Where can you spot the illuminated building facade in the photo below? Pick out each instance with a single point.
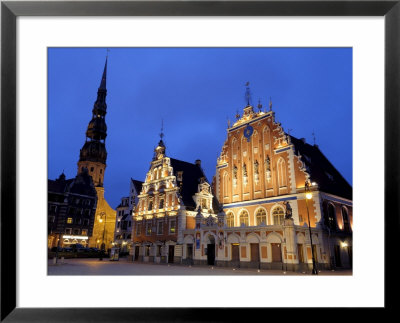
(172, 195)
(263, 218)
(71, 209)
(260, 180)
(93, 156)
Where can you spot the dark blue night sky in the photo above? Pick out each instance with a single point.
(195, 91)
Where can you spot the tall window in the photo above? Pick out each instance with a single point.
(244, 218)
(281, 173)
(150, 206)
(230, 219)
(278, 215)
(172, 226)
(225, 185)
(331, 220)
(138, 228)
(69, 220)
(160, 227)
(161, 205)
(345, 216)
(261, 217)
(148, 229)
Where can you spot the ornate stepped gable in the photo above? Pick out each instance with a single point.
(259, 160)
(173, 184)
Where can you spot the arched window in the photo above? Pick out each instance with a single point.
(345, 216)
(150, 206)
(278, 215)
(161, 205)
(281, 173)
(244, 218)
(230, 219)
(261, 217)
(331, 217)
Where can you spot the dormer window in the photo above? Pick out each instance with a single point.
(179, 176)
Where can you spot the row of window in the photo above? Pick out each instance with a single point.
(78, 211)
(278, 215)
(83, 232)
(124, 224)
(159, 229)
(78, 221)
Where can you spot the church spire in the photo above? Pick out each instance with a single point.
(93, 154)
(104, 77)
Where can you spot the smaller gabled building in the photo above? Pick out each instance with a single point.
(170, 196)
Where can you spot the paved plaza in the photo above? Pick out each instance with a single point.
(125, 267)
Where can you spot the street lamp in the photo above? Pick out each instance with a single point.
(309, 197)
(104, 229)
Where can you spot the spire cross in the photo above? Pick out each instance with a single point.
(162, 129)
(313, 134)
(108, 50)
(270, 104)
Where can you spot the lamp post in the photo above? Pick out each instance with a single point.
(104, 229)
(309, 197)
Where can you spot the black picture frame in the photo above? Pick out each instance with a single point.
(10, 10)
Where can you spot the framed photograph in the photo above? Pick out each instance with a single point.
(270, 129)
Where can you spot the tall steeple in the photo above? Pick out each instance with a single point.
(93, 154)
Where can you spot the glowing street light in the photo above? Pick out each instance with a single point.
(309, 197)
(104, 229)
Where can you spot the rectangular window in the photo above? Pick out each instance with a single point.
(160, 227)
(118, 224)
(79, 221)
(84, 232)
(69, 220)
(86, 222)
(68, 230)
(53, 208)
(76, 231)
(172, 226)
(148, 229)
(138, 229)
(51, 219)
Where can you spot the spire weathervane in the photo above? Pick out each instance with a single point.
(313, 134)
(247, 93)
(270, 104)
(259, 106)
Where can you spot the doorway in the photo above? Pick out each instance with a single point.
(254, 252)
(211, 250)
(189, 252)
(301, 253)
(137, 252)
(338, 261)
(171, 250)
(276, 252)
